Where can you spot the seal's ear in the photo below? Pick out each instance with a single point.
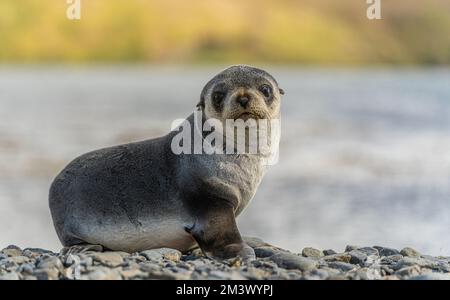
(281, 91)
(201, 104)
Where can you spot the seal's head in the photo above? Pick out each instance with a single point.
(241, 92)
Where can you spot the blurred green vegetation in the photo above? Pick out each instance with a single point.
(325, 32)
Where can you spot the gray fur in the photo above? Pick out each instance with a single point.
(141, 195)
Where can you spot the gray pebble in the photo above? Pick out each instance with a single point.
(386, 269)
(408, 271)
(16, 260)
(391, 260)
(46, 274)
(162, 253)
(357, 257)
(39, 251)
(329, 252)
(368, 274)
(372, 259)
(316, 274)
(384, 251)
(254, 242)
(292, 261)
(50, 262)
(26, 268)
(409, 261)
(12, 251)
(369, 251)
(410, 252)
(265, 251)
(273, 263)
(349, 248)
(342, 266)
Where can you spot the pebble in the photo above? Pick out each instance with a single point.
(369, 251)
(316, 274)
(132, 273)
(253, 273)
(12, 251)
(372, 259)
(311, 252)
(292, 261)
(368, 274)
(36, 252)
(386, 251)
(19, 259)
(408, 271)
(102, 273)
(391, 260)
(357, 257)
(265, 251)
(50, 262)
(273, 263)
(46, 274)
(329, 252)
(26, 268)
(349, 248)
(409, 261)
(344, 257)
(255, 242)
(409, 252)
(342, 266)
(170, 254)
(110, 259)
(386, 270)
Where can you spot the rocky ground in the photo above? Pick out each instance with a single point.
(272, 263)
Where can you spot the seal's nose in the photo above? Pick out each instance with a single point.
(243, 101)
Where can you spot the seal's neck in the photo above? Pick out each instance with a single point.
(259, 138)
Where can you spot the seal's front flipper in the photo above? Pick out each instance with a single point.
(217, 234)
(81, 248)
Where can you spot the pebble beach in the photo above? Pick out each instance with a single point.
(272, 263)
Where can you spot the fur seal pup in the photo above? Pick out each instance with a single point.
(142, 195)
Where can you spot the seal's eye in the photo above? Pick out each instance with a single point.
(217, 97)
(266, 90)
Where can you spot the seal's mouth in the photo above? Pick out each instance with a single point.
(250, 115)
(245, 116)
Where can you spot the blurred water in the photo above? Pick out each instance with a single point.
(364, 159)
